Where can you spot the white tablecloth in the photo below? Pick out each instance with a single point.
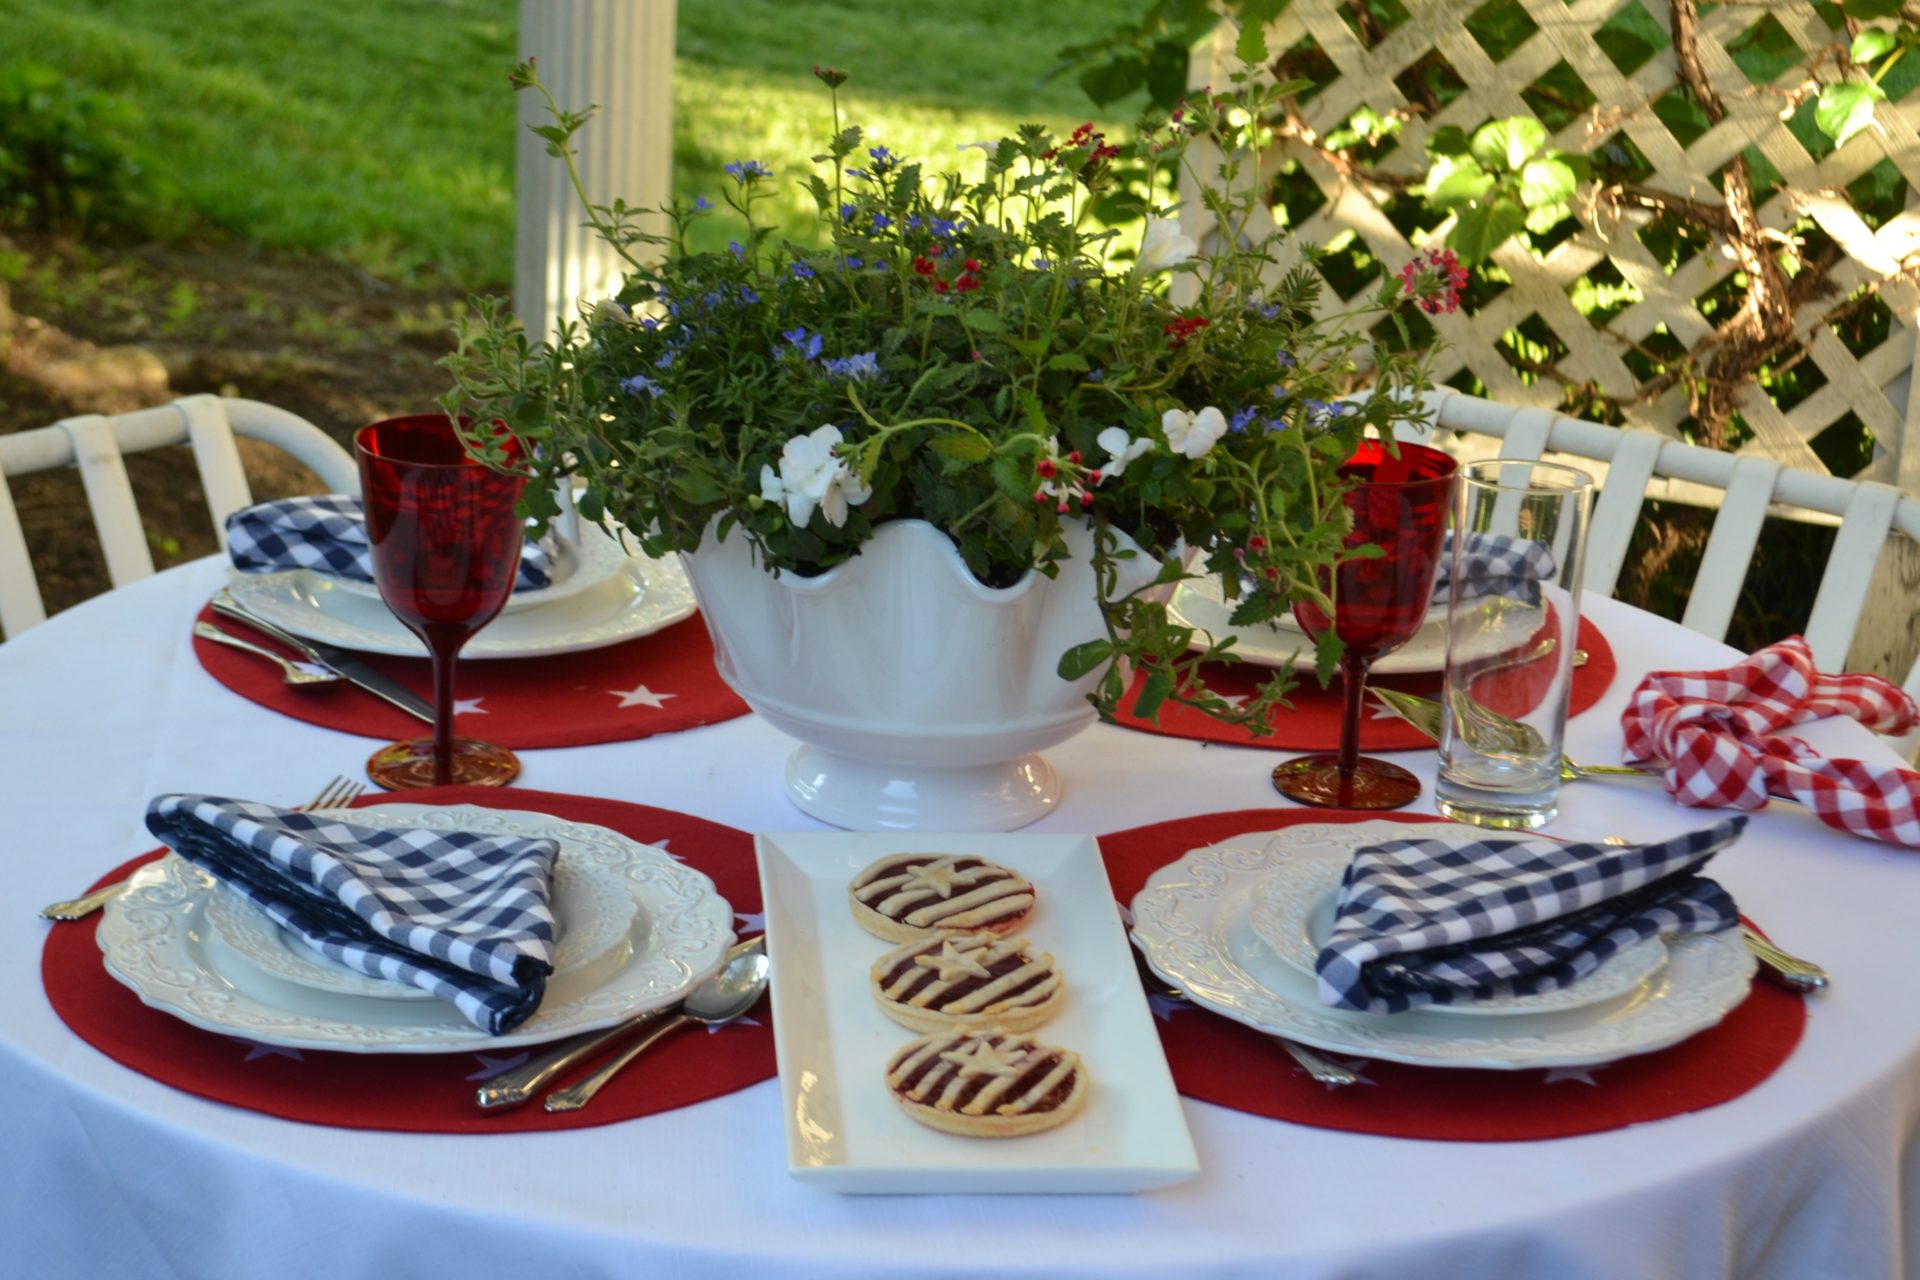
(109, 1174)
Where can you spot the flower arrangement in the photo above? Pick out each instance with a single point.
(974, 350)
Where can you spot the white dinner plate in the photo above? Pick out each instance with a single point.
(577, 567)
(1293, 913)
(154, 938)
(1200, 604)
(640, 597)
(592, 912)
(1192, 922)
(844, 1129)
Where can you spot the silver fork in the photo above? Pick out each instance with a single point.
(1321, 1069)
(336, 793)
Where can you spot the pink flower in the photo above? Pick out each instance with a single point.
(1434, 280)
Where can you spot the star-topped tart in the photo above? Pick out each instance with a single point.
(961, 980)
(905, 896)
(987, 1084)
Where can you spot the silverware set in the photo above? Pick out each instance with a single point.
(332, 663)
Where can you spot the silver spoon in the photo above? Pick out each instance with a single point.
(717, 1001)
(293, 674)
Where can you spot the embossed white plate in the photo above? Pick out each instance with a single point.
(1199, 604)
(1293, 913)
(641, 597)
(844, 1129)
(154, 939)
(1193, 923)
(577, 567)
(592, 913)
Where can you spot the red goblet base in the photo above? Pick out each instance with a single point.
(1317, 781)
(407, 765)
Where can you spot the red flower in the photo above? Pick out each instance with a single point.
(1180, 330)
(922, 266)
(939, 286)
(1434, 279)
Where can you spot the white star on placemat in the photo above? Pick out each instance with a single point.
(270, 1051)
(492, 1065)
(751, 921)
(1234, 699)
(737, 1022)
(641, 696)
(661, 845)
(469, 707)
(1559, 1075)
(1355, 1065)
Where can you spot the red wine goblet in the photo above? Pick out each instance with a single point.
(446, 548)
(1400, 504)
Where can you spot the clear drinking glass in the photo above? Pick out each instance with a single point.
(1513, 612)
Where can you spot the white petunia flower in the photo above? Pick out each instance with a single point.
(1164, 246)
(1193, 434)
(813, 477)
(1122, 448)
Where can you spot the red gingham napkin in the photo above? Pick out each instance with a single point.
(1715, 730)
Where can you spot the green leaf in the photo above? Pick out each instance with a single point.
(1508, 144)
(1084, 659)
(1845, 109)
(1113, 80)
(1455, 181)
(1871, 8)
(1167, 72)
(983, 321)
(1872, 43)
(1157, 689)
(1478, 231)
(962, 446)
(1069, 360)
(1546, 182)
(1251, 47)
(1448, 140)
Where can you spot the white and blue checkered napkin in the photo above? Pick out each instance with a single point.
(464, 916)
(1493, 564)
(1428, 921)
(328, 534)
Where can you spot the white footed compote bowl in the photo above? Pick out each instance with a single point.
(921, 695)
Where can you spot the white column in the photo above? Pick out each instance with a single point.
(618, 56)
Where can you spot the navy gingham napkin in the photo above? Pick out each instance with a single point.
(464, 916)
(1493, 564)
(328, 534)
(1426, 921)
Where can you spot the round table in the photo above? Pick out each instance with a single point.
(108, 1173)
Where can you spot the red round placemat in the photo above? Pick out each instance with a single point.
(1221, 1061)
(1313, 722)
(652, 684)
(424, 1093)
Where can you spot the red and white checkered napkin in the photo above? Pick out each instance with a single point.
(1716, 733)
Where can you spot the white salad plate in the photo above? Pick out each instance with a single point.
(593, 918)
(156, 938)
(1193, 923)
(1200, 603)
(577, 567)
(641, 596)
(845, 1132)
(1293, 913)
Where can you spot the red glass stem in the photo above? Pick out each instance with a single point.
(444, 649)
(1353, 673)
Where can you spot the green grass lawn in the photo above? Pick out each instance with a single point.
(381, 131)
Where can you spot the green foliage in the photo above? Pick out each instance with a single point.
(970, 348)
(1502, 180)
(61, 165)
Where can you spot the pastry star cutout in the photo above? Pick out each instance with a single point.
(641, 696)
(937, 876)
(981, 1059)
(952, 962)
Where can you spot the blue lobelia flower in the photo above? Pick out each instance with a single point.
(701, 204)
(802, 271)
(665, 361)
(1284, 359)
(747, 296)
(881, 222)
(744, 171)
(882, 157)
(640, 382)
(737, 249)
(861, 368)
(944, 228)
(1096, 375)
(846, 213)
(1241, 419)
(854, 264)
(857, 173)
(807, 344)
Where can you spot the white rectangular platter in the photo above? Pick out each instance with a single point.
(844, 1130)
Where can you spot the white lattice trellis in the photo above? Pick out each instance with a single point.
(1872, 385)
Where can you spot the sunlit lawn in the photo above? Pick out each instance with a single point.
(382, 130)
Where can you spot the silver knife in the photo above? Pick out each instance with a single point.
(330, 657)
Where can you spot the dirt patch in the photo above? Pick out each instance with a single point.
(106, 329)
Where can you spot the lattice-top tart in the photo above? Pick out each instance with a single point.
(966, 980)
(905, 896)
(987, 1084)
